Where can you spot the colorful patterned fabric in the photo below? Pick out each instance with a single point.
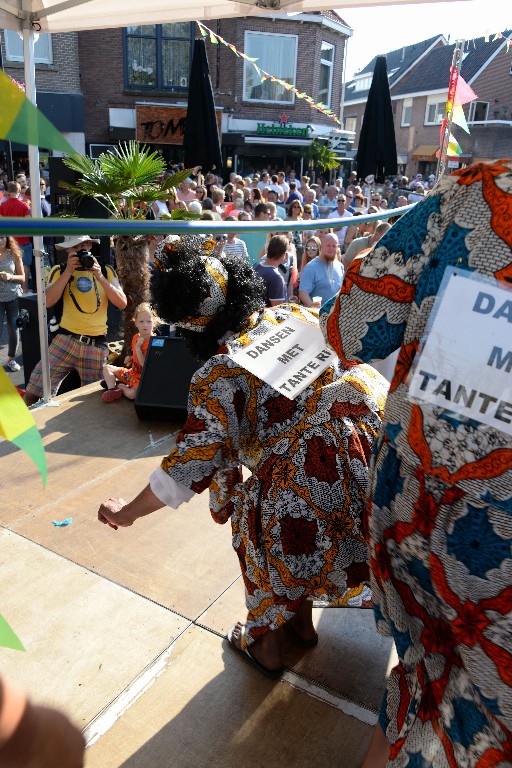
(296, 520)
(440, 512)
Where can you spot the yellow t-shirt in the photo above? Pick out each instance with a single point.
(84, 302)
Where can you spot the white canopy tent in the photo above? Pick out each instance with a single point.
(32, 16)
(73, 15)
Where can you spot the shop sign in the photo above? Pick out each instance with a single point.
(281, 128)
(164, 125)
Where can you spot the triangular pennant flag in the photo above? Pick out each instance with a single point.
(454, 147)
(22, 122)
(8, 638)
(463, 93)
(202, 29)
(17, 424)
(459, 118)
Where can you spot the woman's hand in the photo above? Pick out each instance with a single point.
(111, 513)
(6, 277)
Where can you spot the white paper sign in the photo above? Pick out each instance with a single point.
(466, 363)
(288, 357)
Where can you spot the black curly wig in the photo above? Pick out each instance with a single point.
(179, 284)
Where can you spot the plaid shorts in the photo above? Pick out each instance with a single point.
(67, 354)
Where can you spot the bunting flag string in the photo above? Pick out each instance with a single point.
(216, 39)
(17, 423)
(23, 122)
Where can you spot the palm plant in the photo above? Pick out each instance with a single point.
(133, 174)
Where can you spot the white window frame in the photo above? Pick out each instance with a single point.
(472, 108)
(364, 84)
(330, 66)
(248, 67)
(440, 103)
(43, 53)
(406, 104)
(352, 124)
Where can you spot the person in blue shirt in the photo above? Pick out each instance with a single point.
(323, 276)
(275, 287)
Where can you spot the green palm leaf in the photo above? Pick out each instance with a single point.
(133, 172)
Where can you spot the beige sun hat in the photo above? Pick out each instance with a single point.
(74, 240)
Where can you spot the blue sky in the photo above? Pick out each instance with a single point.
(385, 28)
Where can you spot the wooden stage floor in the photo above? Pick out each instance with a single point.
(125, 629)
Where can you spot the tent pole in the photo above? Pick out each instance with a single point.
(445, 139)
(33, 159)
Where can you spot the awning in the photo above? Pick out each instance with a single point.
(283, 142)
(425, 152)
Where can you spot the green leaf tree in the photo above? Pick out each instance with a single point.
(324, 158)
(126, 182)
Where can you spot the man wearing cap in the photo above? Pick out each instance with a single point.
(81, 341)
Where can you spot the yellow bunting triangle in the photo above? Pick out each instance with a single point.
(17, 424)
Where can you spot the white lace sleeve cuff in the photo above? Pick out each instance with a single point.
(170, 492)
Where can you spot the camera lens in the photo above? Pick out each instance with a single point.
(23, 319)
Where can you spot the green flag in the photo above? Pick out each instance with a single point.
(24, 123)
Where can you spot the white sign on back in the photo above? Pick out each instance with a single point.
(288, 357)
(466, 363)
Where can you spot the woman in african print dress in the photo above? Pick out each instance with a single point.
(440, 510)
(296, 519)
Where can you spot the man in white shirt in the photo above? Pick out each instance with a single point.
(274, 186)
(341, 213)
(283, 184)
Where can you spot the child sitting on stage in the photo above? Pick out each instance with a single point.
(125, 381)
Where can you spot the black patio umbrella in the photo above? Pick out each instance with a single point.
(201, 141)
(376, 153)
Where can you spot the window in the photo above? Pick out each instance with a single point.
(363, 85)
(435, 113)
(326, 68)
(478, 111)
(277, 55)
(351, 124)
(14, 47)
(158, 56)
(406, 113)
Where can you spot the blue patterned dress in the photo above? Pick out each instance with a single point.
(440, 508)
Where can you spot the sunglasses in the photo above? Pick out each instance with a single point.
(218, 238)
(311, 247)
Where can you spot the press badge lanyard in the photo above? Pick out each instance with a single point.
(77, 305)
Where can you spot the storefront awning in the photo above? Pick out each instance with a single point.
(425, 152)
(283, 142)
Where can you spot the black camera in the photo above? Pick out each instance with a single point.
(23, 319)
(86, 259)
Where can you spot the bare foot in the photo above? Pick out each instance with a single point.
(266, 650)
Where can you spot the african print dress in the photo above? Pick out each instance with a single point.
(296, 521)
(440, 517)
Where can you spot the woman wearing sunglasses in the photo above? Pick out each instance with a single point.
(311, 250)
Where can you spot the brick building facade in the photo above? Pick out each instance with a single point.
(57, 75)
(111, 103)
(418, 77)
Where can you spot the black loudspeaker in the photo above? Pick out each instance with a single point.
(163, 390)
(29, 325)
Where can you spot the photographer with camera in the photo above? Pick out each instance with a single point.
(81, 342)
